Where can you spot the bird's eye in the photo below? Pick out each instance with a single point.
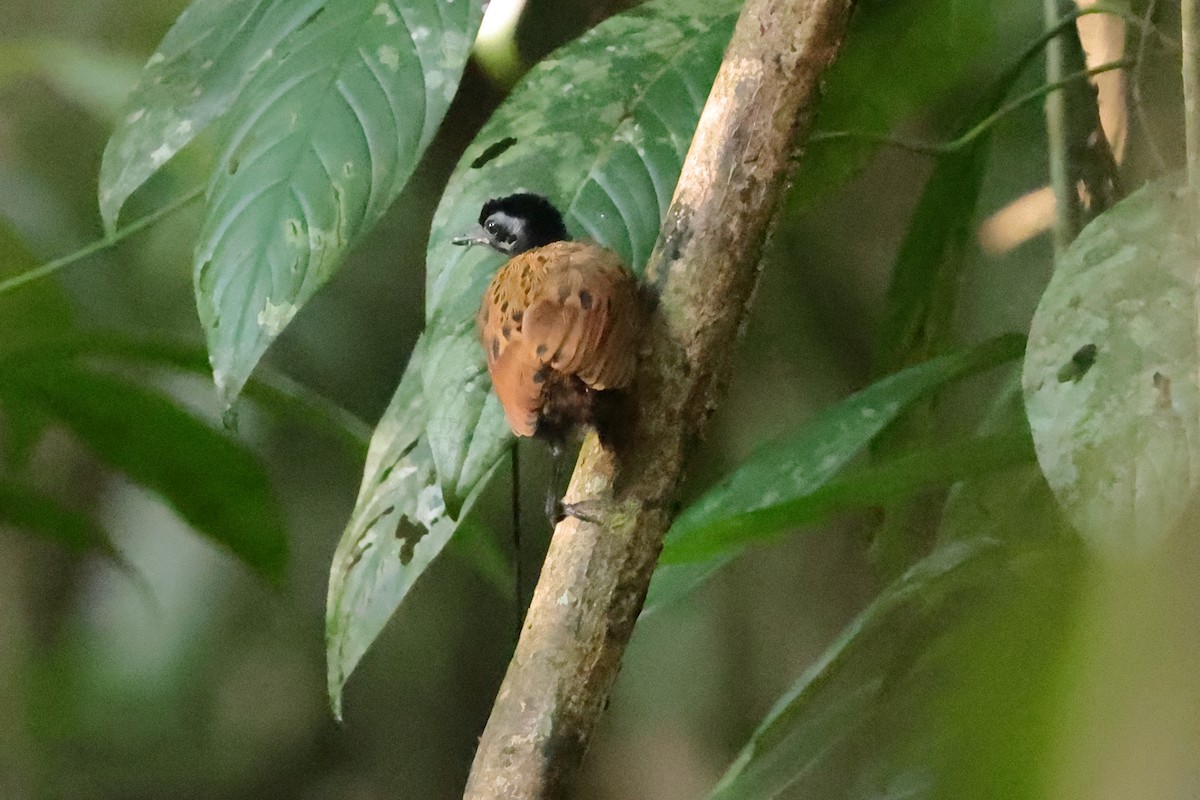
(491, 226)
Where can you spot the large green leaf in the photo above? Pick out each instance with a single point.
(214, 483)
(601, 127)
(1110, 374)
(398, 527)
(949, 684)
(798, 466)
(275, 391)
(204, 61)
(314, 149)
(933, 465)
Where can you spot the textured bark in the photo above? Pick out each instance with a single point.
(704, 267)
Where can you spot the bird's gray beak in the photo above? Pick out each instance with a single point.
(476, 235)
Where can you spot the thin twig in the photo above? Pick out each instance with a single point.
(518, 581)
(980, 128)
(104, 243)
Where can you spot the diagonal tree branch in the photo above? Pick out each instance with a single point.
(704, 268)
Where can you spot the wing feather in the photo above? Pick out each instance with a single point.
(570, 307)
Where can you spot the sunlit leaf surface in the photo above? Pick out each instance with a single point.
(1110, 374)
(313, 151)
(398, 527)
(208, 55)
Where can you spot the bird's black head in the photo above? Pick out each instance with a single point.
(517, 223)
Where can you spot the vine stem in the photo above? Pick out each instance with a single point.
(1190, 29)
(515, 501)
(955, 145)
(704, 269)
(98, 245)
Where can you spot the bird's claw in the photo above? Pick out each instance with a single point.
(585, 511)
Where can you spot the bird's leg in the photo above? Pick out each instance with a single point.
(554, 504)
(584, 511)
(556, 509)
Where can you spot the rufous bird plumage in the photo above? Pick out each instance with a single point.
(559, 322)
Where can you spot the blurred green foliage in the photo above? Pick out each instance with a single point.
(979, 651)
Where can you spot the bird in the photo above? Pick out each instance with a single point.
(560, 325)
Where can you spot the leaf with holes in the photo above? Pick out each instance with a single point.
(204, 61)
(398, 527)
(601, 127)
(1110, 373)
(313, 151)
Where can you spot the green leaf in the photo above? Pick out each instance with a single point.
(936, 464)
(1110, 373)
(943, 687)
(937, 41)
(793, 469)
(673, 582)
(192, 79)
(214, 483)
(601, 127)
(398, 527)
(313, 151)
(275, 391)
(33, 511)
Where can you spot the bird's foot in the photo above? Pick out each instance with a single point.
(588, 511)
